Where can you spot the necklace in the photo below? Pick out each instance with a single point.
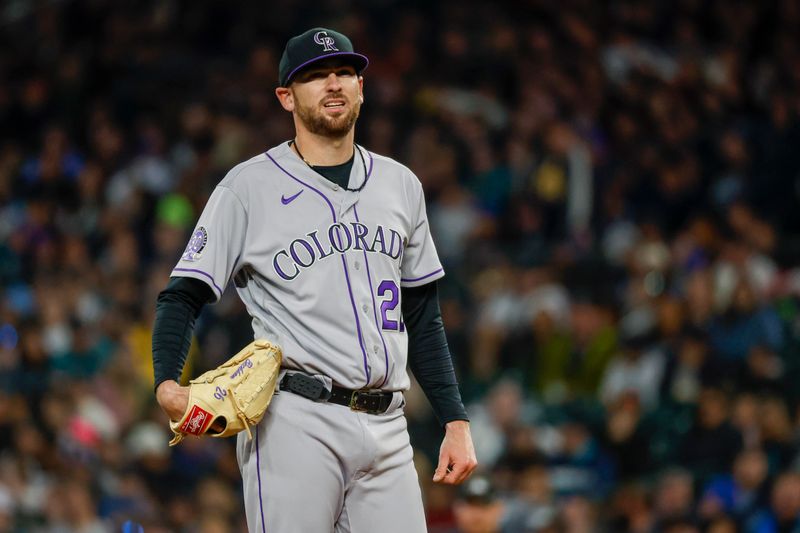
(356, 148)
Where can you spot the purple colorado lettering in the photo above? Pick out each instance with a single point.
(303, 252)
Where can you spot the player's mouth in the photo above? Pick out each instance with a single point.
(335, 106)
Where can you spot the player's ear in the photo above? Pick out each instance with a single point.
(285, 97)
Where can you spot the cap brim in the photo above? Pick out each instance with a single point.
(359, 61)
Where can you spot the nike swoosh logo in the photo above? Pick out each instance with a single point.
(287, 201)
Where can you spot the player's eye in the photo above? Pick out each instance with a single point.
(313, 75)
(310, 75)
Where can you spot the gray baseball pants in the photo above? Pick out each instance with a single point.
(315, 467)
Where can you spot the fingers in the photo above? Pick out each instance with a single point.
(461, 472)
(441, 471)
(453, 471)
(173, 399)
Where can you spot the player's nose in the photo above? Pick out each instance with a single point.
(332, 82)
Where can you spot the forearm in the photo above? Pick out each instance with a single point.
(429, 355)
(177, 309)
(435, 374)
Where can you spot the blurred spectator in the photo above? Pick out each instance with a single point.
(689, 369)
(71, 508)
(712, 443)
(579, 465)
(630, 510)
(742, 325)
(740, 493)
(493, 421)
(776, 432)
(571, 356)
(626, 438)
(477, 509)
(638, 370)
(579, 515)
(674, 497)
(783, 511)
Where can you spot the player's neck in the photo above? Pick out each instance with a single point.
(323, 151)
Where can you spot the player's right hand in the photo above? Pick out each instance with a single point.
(172, 398)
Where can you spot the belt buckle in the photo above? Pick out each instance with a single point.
(354, 402)
(362, 407)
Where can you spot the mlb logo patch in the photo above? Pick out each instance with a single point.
(197, 422)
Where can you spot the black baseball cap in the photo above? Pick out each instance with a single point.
(478, 489)
(314, 45)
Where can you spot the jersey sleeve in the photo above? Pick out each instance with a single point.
(420, 264)
(216, 243)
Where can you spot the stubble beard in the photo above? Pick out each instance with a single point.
(316, 122)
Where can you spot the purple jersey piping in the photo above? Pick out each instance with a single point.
(375, 310)
(423, 277)
(312, 60)
(358, 323)
(346, 276)
(206, 274)
(258, 472)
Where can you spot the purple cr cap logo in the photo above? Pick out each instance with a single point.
(196, 245)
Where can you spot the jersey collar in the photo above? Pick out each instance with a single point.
(358, 179)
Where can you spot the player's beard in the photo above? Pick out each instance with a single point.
(318, 123)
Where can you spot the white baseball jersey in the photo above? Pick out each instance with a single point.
(320, 267)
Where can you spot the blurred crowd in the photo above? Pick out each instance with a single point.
(613, 187)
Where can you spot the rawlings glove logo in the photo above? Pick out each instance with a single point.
(196, 422)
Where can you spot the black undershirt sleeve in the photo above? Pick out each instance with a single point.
(177, 308)
(428, 353)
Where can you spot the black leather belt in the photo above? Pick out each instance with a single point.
(372, 402)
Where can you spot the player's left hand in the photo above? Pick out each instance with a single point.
(457, 455)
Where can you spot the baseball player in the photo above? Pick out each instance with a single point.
(329, 248)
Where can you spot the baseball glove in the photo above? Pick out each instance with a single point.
(232, 397)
